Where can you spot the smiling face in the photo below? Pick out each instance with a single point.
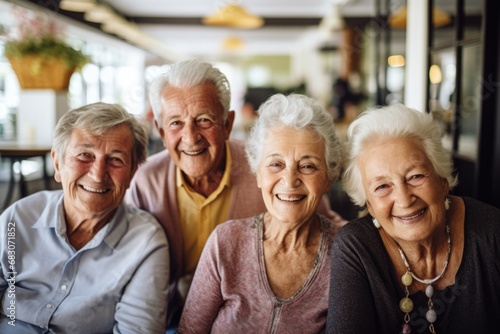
(403, 191)
(193, 129)
(95, 171)
(292, 174)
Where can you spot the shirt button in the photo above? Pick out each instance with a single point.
(64, 287)
(49, 305)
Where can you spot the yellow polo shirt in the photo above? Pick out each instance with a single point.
(200, 215)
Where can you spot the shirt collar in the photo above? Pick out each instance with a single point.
(53, 217)
(226, 179)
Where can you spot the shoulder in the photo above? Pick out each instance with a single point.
(358, 235)
(235, 233)
(236, 227)
(141, 219)
(481, 220)
(155, 162)
(238, 153)
(474, 206)
(34, 205)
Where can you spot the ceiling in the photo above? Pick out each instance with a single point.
(290, 25)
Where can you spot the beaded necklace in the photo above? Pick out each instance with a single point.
(406, 304)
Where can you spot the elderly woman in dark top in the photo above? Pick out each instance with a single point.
(422, 261)
(269, 273)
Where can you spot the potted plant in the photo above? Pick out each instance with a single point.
(38, 54)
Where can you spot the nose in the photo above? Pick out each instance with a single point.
(190, 133)
(403, 196)
(291, 178)
(98, 171)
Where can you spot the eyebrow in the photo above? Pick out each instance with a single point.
(91, 146)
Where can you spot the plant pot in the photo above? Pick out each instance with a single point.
(35, 72)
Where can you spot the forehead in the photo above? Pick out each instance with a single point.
(118, 138)
(203, 97)
(383, 155)
(300, 140)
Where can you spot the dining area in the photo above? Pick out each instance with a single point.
(24, 169)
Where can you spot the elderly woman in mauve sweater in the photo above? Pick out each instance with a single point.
(270, 273)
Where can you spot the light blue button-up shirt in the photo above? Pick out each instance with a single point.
(116, 283)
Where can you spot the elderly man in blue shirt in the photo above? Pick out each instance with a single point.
(79, 260)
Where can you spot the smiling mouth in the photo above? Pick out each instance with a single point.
(94, 190)
(193, 153)
(290, 198)
(412, 216)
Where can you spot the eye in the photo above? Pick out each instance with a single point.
(417, 179)
(204, 123)
(115, 161)
(275, 166)
(382, 190)
(174, 124)
(308, 169)
(85, 156)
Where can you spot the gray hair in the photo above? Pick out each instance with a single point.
(394, 121)
(299, 112)
(98, 118)
(188, 74)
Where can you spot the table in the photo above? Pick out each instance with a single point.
(17, 152)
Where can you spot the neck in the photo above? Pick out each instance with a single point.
(81, 231)
(431, 262)
(206, 184)
(292, 235)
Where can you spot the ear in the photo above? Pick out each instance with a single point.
(159, 129)
(257, 177)
(228, 126)
(369, 208)
(55, 158)
(446, 186)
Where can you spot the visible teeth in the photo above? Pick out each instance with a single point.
(414, 216)
(290, 198)
(94, 190)
(194, 153)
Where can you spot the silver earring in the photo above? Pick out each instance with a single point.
(375, 222)
(447, 203)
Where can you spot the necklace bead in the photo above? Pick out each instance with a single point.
(406, 305)
(406, 279)
(431, 316)
(429, 291)
(405, 329)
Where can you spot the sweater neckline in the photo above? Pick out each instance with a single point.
(259, 224)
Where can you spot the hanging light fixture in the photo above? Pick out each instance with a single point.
(439, 18)
(99, 14)
(234, 16)
(233, 43)
(77, 5)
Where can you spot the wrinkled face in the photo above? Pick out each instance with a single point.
(193, 129)
(293, 173)
(403, 191)
(95, 171)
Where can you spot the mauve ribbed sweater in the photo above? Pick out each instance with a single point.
(230, 292)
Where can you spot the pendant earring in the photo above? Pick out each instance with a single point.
(376, 223)
(447, 203)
